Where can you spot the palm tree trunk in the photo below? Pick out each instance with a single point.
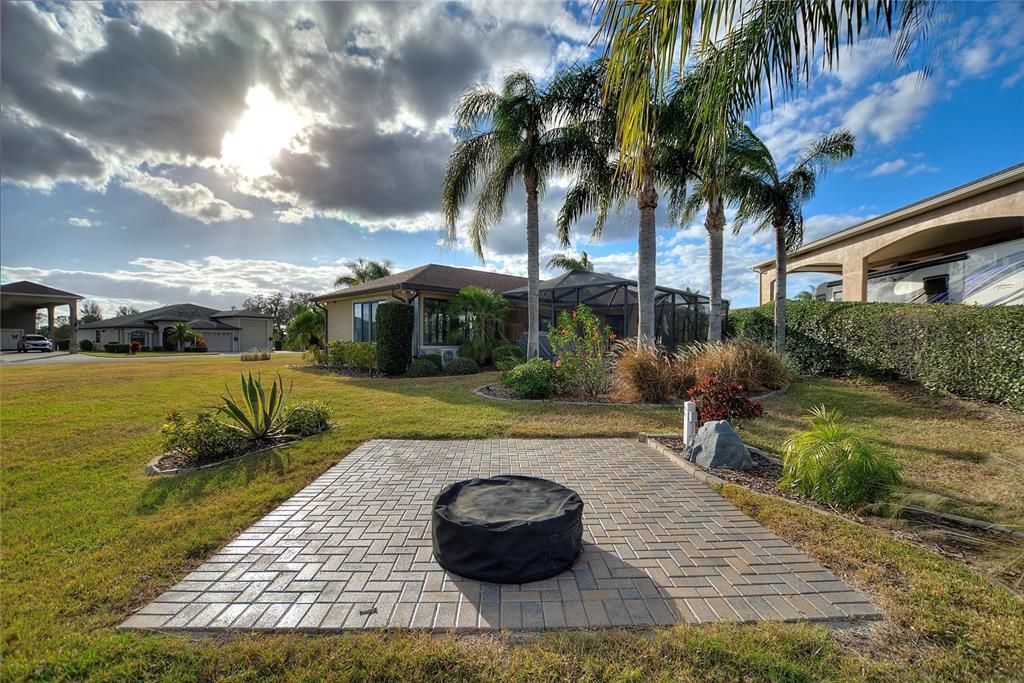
(715, 225)
(647, 254)
(532, 265)
(780, 289)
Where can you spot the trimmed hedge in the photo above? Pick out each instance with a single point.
(85, 345)
(461, 366)
(116, 347)
(394, 337)
(421, 367)
(972, 351)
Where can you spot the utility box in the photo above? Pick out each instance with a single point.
(9, 338)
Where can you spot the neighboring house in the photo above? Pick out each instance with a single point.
(224, 331)
(965, 245)
(351, 312)
(21, 301)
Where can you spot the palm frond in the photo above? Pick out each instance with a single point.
(471, 159)
(490, 204)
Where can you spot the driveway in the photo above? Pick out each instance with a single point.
(353, 550)
(64, 358)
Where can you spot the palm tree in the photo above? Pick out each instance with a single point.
(363, 270)
(482, 313)
(605, 180)
(182, 333)
(804, 295)
(570, 262)
(306, 328)
(775, 201)
(768, 43)
(504, 137)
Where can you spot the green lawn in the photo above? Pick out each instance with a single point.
(87, 538)
(146, 354)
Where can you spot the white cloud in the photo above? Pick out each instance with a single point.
(192, 200)
(891, 108)
(887, 167)
(81, 222)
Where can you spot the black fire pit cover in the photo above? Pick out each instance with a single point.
(507, 529)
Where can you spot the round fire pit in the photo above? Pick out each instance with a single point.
(507, 529)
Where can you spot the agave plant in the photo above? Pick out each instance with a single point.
(259, 415)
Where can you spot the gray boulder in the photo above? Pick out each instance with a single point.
(717, 446)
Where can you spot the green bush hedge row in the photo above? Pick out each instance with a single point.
(972, 351)
(360, 356)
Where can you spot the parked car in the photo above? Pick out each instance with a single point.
(34, 342)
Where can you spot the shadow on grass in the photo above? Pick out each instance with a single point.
(190, 488)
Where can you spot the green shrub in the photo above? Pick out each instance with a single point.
(421, 367)
(967, 350)
(259, 414)
(506, 364)
(644, 373)
(307, 418)
(358, 356)
(201, 439)
(832, 464)
(116, 347)
(394, 337)
(535, 379)
(482, 313)
(436, 359)
(507, 351)
(580, 342)
(85, 345)
(461, 366)
(315, 356)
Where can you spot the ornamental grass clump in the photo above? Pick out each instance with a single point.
(643, 372)
(259, 414)
(738, 360)
(832, 464)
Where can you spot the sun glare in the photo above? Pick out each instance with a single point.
(266, 127)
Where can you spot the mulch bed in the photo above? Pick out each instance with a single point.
(176, 460)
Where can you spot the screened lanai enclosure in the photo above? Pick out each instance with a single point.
(682, 317)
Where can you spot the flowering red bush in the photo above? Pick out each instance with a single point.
(717, 400)
(136, 346)
(201, 343)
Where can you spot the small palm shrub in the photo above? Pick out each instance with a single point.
(737, 360)
(258, 414)
(461, 366)
(307, 418)
(421, 367)
(506, 352)
(643, 372)
(85, 345)
(832, 464)
(201, 439)
(580, 342)
(719, 400)
(535, 379)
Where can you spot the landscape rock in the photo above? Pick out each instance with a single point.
(717, 446)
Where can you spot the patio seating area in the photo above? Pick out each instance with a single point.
(353, 551)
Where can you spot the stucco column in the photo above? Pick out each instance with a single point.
(73, 320)
(765, 287)
(855, 278)
(50, 320)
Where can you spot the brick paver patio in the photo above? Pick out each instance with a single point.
(352, 550)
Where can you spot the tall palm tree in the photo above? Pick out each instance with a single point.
(605, 180)
(768, 43)
(570, 262)
(517, 134)
(363, 270)
(775, 201)
(182, 333)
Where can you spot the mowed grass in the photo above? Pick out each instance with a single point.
(87, 538)
(957, 456)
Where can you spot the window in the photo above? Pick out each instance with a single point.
(936, 289)
(138, 337)
(437, 324)
(98, 336)
(364, 321)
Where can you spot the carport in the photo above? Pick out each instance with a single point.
(19, 302)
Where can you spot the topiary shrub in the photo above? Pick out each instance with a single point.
(421, 367)
(507, 351)
(85, 345)
(832, 464)
(972, 351)
(535, 379)
(394, 337)
(461, 366)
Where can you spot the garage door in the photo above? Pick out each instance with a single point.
(218, 341)
(254, 335)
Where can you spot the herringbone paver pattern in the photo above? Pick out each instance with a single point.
(352, 550)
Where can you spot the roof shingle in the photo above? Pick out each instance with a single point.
(431, 276)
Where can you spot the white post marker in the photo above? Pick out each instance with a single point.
(689, 422)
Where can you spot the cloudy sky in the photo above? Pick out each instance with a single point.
(157, 153)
